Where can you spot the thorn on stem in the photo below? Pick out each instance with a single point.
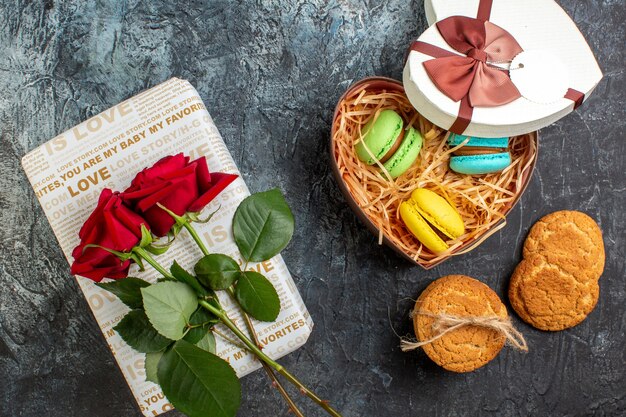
(274, 384)
(302, 391)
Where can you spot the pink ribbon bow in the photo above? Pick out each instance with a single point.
(472, 78)
(473, 75)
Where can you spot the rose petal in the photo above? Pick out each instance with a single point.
(202, 174)
(220, 181)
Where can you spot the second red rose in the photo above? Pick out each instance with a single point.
(177, 184)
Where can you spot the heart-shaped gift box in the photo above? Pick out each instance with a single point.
(486, 68)
(387, 227)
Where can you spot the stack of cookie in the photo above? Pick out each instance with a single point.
(462, 324)
(556, 286)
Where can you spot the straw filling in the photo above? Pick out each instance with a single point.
(481, 200)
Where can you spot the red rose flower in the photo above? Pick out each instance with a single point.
(112, 225)
(177, 184)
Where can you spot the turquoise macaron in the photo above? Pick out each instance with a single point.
(479, 155)
(384, 139)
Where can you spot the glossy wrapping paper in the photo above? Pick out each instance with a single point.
(68, 173)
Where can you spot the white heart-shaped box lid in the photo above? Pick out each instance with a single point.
(536, 25)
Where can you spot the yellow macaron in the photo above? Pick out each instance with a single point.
(425, 213)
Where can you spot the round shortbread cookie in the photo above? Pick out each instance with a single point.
(548, 297)
(570, 239)
(469, 347)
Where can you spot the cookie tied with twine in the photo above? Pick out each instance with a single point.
(461, 324)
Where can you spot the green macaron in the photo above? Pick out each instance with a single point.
(406, 154)
(379, 135)
(389, 143)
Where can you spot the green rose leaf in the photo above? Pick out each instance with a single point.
(128, 290)
(257, 296)
(263, 225)
(217, 271)
(157, 249)
(207, 342)
(199, 383)
(146, 236)
(184, 276)
(136, 330)
(169, 306)
(151, 363)
(205, 320)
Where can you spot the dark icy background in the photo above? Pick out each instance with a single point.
(270, 73)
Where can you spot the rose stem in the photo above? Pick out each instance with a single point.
(196, 238)
(145, 255)
(252, 347)
(270, 372)
(221, 314)
(259, 353)
(266, 367)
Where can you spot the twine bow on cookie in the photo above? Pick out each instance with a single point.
(446, 323)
